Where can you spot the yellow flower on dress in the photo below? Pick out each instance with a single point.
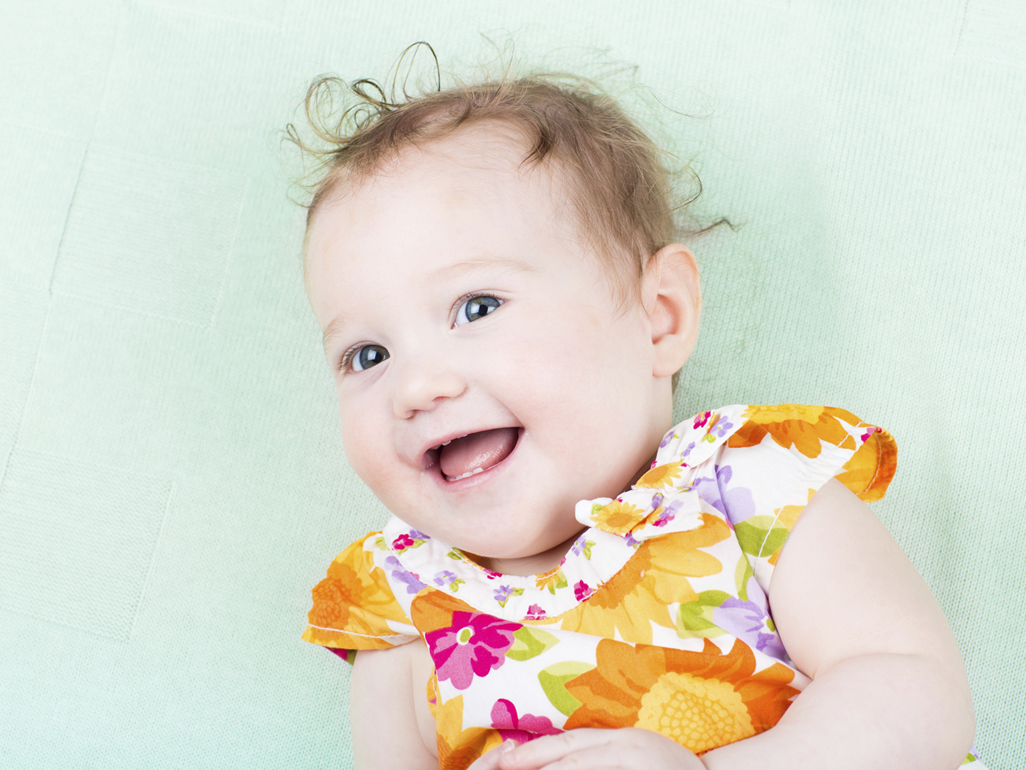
(702, 700)
(803, 427)
(628, 606)
(551, 580)
(661, 476)
(618, 517)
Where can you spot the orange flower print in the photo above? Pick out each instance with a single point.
(458, 747)
(702, 700)
(661, 476)
(803, 427)
(353, 598)
(627, 606)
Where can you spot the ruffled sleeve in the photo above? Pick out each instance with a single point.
(779, 457)
(354, 607)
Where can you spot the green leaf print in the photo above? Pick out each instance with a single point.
(529, 643)
(694, 619)
(741, 575)
(554, 678)
(760, 535)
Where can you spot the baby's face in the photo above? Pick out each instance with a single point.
(487, 376)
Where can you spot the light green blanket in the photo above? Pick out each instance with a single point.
(172, 482)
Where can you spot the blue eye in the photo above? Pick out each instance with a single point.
(476, 308)
(367, 356)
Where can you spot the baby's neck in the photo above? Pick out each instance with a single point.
(535, 564)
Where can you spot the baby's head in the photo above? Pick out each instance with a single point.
(503, 308)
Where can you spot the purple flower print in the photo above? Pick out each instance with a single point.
(447, 578)
(581, 545)
(720, 428)
(473, 645)
(534, 612)
(582, 590)
(402, 542)
(578, 545)
(416, 534)
(668, 514)
(520, 728)
(502, 594)
(413, 585)
(670, 436)
(747, 621)
(736, 504)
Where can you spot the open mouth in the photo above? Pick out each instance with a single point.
(474, 453)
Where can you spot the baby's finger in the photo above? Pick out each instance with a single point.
(551, 748)
(490, 760)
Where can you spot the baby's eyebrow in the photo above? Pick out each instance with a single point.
(478, 264)
(333, 330)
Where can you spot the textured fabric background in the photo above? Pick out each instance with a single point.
(171, 477)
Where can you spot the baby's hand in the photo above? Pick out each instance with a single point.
(593, 749)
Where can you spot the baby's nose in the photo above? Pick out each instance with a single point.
(423, 384)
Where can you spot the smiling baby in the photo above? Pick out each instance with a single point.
(569, 579)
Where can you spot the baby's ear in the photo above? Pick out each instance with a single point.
(672, 297)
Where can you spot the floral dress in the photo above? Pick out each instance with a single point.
(656, 618)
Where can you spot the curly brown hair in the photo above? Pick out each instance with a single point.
(611, 170)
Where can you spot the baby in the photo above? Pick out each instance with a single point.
(568, 580)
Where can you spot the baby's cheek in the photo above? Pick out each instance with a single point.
(364, 454)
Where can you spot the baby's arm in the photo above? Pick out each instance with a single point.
(889, 687)
(382, 716)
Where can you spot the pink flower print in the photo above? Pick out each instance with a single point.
(520, 728)
(701, 420)
(472, 646)
(491, 575)
(402, 542)
(869, 432)
(534, 612)
(582, 590)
